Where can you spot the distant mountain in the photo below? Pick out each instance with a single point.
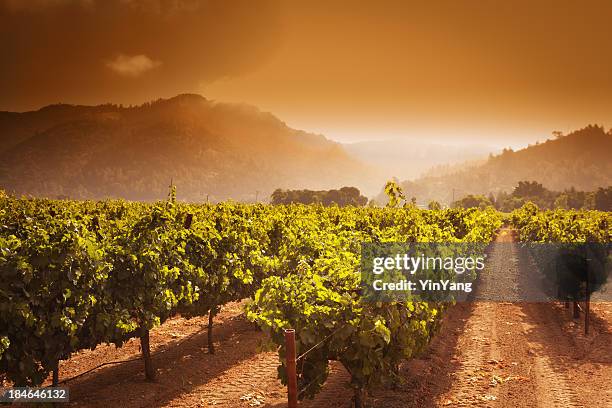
(410, 158)
(581, 159)
(207, 148)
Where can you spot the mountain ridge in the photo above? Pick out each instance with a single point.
(579, 159)
(207, 148)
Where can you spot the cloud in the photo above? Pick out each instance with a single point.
(132, 66)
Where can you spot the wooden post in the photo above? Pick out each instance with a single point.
(358, 397)
(211, 345)
(587, 307)
(576, 310)
(291, 368)
(146, 354)
(55, 381)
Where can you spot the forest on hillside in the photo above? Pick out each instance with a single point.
(209, 150)
(579, 160)
(534, 192)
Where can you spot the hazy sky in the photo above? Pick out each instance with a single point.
(500, 72)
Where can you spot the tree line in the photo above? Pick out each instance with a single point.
(342, 197)
(532, 191)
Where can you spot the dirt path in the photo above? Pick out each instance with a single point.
(529, 354)
(487, 354)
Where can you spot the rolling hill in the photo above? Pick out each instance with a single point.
(206, 148)
(580, 159)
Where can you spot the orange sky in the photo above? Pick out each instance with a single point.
(501, 72)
